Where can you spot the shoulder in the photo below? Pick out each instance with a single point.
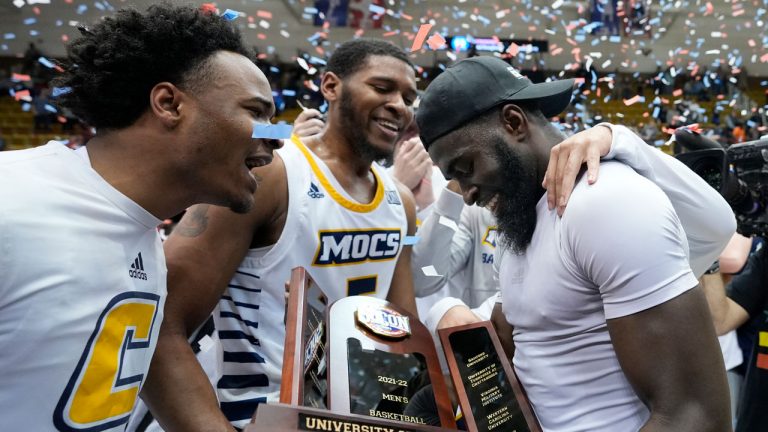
(620, 195)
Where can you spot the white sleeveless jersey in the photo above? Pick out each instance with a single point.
(347, 247)
(81, 295)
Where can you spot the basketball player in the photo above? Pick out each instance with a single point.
(173, 97)
(324, 204)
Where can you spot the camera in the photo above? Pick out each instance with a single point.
(739, 173)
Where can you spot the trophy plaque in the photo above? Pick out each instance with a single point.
(384, 364)
(358, 364)
(490, 396)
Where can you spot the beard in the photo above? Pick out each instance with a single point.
(515, 209)
(353, 123)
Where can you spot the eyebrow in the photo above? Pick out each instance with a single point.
(265, 102)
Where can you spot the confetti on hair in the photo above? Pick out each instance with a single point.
(230, 15)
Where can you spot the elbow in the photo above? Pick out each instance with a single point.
(693, 417)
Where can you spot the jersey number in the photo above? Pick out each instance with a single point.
(103, 389)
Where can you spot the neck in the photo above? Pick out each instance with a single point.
(332, 145)
(544, 139)
(136, 164)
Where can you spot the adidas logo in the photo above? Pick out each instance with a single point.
(314, 191)
(137, 269)
(393, 197)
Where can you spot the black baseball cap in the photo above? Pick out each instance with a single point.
(475, 85)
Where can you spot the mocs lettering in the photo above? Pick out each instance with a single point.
(352, 247)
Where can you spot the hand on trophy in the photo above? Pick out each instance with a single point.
(456, 316)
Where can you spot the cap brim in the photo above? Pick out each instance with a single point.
(554, 96)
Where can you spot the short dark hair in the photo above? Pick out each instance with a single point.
(113, 66)
(350, 56)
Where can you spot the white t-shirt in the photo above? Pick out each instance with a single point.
(619, 249)
(81, 295)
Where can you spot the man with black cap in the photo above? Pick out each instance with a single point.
(610, 329)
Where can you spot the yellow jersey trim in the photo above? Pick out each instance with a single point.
(339, 198)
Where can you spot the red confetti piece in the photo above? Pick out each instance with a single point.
(418, 41)
(677, 92)
(632, 100)
(264, 14)
(20, 77)
(24, 94)
(436, 41)
(513, 49)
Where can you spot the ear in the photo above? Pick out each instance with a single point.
(515, 121)
(165, 101)
(330, 86)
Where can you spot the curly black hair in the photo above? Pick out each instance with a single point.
(350, 56)
(113, 66)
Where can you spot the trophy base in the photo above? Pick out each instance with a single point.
(288, 418)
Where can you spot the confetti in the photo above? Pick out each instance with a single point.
(230, 14)
(418, 41)
(272, 131)
(430, 271)
(450, 223)
(410, 240)
(436, 41)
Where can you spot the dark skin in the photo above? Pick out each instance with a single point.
(679, 330)
(210, 242)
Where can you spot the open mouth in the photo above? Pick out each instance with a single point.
(388, 125)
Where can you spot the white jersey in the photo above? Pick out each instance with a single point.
(347, 247)
(81, 295)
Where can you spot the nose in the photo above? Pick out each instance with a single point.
(398, 107)
(469, 194)
(272, 144)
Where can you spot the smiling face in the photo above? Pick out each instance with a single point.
(495, 172)
(221, 152)
(375, 106)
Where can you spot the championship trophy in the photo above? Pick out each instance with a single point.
(361, 364)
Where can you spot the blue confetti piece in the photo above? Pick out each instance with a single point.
(51, 108)
(615, 39)
(230, 14)
(8, 36)
(376, 9)
(317, 60)
(30, 21)
(289, 92)
(410, 240)
(99, 6)
(58, 91)
(272, 131)
(26, 107)
(310, 10)
(274, 69)
(81, 9)
(34, 32)
(45, 62)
